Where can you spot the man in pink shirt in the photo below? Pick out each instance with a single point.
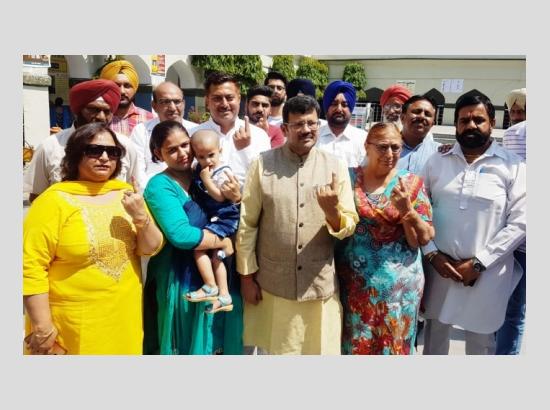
(258, 108)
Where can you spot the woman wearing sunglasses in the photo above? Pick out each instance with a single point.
(380, 265)
(81, 244)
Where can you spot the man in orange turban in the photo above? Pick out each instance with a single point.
(90, 101)
(128, 115)
(391, 101)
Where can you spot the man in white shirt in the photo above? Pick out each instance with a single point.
(169, 104)
(478, 192)
(240, 141)
(516, 105)
(338, 137)
(90, 101)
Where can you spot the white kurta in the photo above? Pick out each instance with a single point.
(478, 210)
(238, 160)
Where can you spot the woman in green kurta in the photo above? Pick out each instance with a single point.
(173, 325)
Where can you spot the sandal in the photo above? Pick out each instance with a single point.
(210, 293)
(226, 305)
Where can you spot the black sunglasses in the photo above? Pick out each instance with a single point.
(96, 151)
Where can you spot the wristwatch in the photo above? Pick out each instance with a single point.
(478, 266)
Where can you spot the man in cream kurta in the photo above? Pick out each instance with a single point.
(296, 201)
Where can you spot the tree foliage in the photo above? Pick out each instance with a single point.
(354, 73)
(284, 64)
(316, 71)
(246, 68)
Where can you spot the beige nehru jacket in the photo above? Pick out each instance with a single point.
(283, 234)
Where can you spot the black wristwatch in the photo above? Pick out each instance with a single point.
(478, 266)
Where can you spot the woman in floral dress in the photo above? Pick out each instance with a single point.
(380, 266)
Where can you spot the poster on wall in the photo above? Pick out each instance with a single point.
(36, 60)
(158, 64)
(410, 84)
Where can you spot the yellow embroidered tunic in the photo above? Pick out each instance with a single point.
(84, 256)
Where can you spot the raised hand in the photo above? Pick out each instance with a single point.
(263, 124)
(231, 188)
(400, 197)
(133, 203)
(242, 137)
(327, 197)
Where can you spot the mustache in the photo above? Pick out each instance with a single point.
(472, 133)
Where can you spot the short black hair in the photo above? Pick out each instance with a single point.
(74, 150)
(218, 78)
(416, 98)
(474, 99)
(275, 75)
(259, 90)
(301, 104)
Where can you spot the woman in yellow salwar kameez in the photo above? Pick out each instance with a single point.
(81, 244)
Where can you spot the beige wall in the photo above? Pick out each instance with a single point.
(495, 78)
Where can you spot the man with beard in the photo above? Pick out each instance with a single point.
(516, 105)
(128, 115)
(297, 201)
(277, 82)
(258, 107)
(240, 141)
(169, 104)
(392, 100)
(418, 118)
(90, 101)
(478, 192)
(338, 137)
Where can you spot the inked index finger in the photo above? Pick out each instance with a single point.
(246, 125)
(334, 182)
(135, 184)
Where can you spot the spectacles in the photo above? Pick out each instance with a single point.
(383, 148)
(395, 107)
(168, 101)
(277, 87)
(296, 126)
(96, 151)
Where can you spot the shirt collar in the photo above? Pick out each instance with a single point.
(493, 150)
(428, 138)
(325, 131)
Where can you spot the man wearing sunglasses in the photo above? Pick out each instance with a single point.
(169, 104)
(90, 101)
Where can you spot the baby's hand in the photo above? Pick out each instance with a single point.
(205, 173)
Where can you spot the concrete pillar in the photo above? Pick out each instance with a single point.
(36, 106)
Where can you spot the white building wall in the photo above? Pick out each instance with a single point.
(495, 78)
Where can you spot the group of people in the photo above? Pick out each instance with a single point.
(279, 233)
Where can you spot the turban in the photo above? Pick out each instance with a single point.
(110, 71)
(84, 93)
(517, 97)
(300, 85)
(335, 88)
(400, 92)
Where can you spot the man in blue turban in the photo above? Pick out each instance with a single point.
(338, 136)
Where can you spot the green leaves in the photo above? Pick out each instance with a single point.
(284, 64)
(316, 71)
(247, 68)
(355, 73)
